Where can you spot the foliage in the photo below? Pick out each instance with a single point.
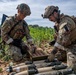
(41, 34)
(6, 58)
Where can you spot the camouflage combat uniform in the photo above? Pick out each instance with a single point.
(66, 39)
(18, 33)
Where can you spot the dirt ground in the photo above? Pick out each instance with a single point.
(4, 64)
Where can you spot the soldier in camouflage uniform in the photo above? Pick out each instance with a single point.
(66, 37)
(13, 31)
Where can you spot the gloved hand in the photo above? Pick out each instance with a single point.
(52, 54)
(16, 42)
(33, 48)
(51, 57)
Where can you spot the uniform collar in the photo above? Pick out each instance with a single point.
(15, 18)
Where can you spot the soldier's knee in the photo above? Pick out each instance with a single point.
(15, 53)
(17, 57)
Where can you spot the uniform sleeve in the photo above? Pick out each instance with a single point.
(64, 34)
(4, 32)
(27, 34)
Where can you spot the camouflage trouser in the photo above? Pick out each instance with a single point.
(71, 60)
(17, 53)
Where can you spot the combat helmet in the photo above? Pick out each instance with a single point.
(24, 8)
(49, 10)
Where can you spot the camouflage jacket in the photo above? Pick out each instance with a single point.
(66, 33)
(18, 32)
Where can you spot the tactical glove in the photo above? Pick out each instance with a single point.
(33, 48)
(16, 42)
(51, 57)
(52, 54)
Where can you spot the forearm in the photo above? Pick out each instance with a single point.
(59, 46)
(55, 50)
(7, 39)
